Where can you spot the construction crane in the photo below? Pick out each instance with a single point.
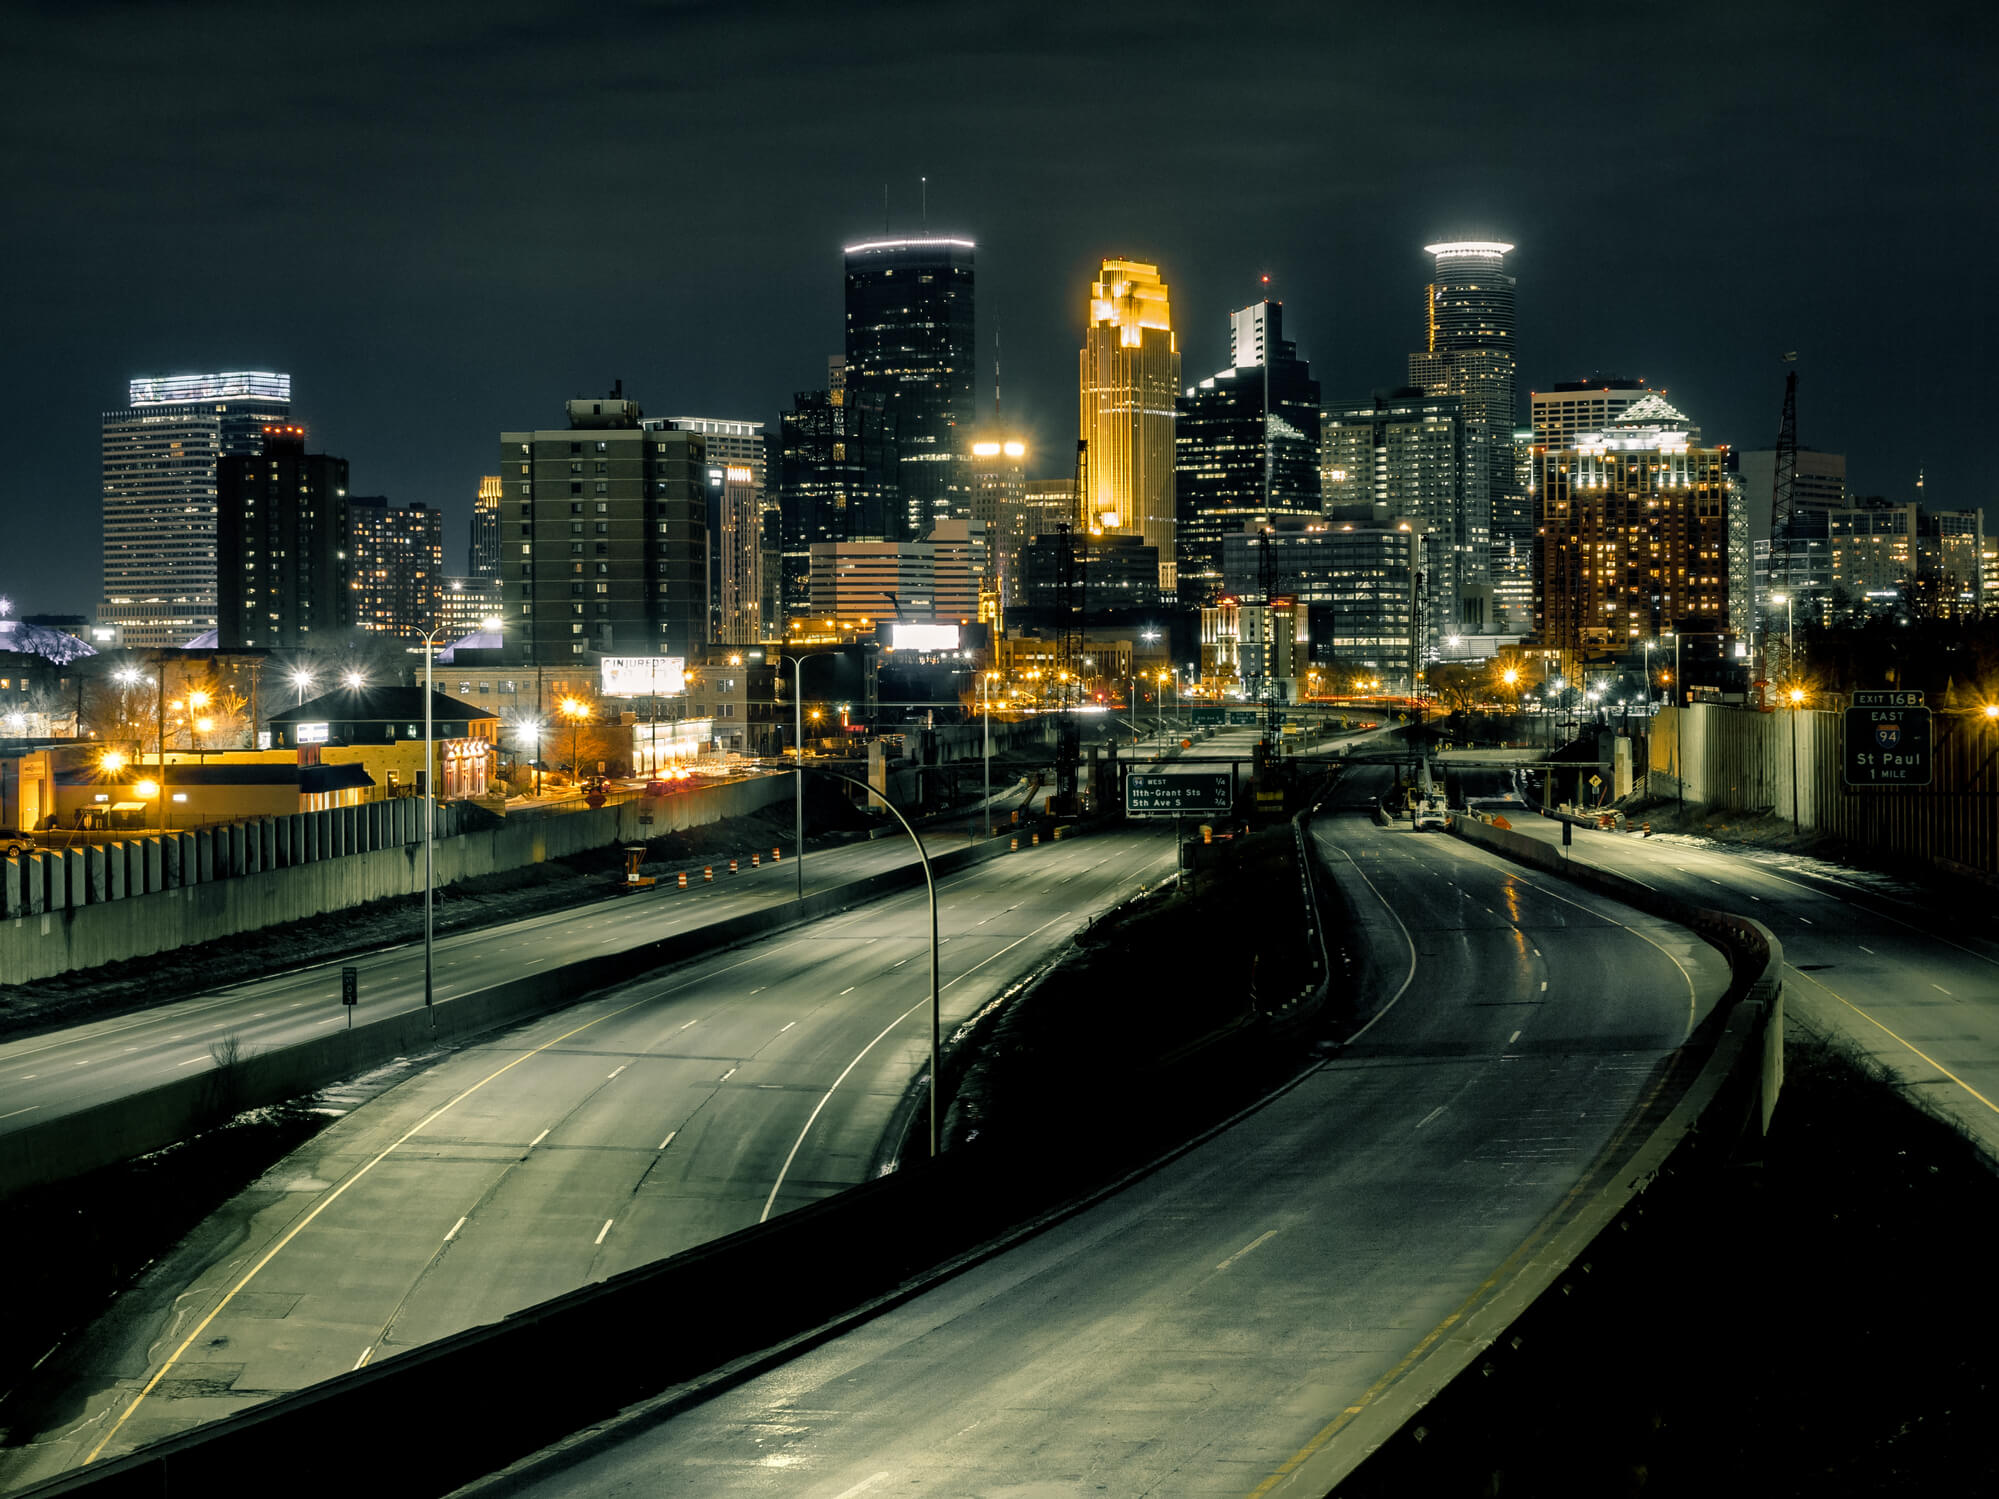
(1783, 509)
(1072, 590)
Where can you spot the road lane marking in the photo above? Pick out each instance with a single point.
(604, 1230)
(1429, 1116)
(690, 1024)
(454, 1230)
(537, 1139)
(190, 1061)
(1864, 948)
(1813, 979)
(846, 991)
(726, 1076)
(1941, 990)
(1512, 1038)
(1256, 1243)
(1544, 986)
(28, 1110)
(865, 1484)
(1408, 978)
(669, 1138)
(621, 1067)
(366, 1354)
(1806, 920)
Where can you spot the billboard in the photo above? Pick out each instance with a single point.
(643, 676)
(904, 637)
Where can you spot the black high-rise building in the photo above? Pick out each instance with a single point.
(838, 480)
(1246, 448)
(910, 351)
(280, 543)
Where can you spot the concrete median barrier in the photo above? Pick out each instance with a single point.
(70, 1144)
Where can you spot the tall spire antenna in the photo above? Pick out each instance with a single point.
(923, 186)
(996, 379)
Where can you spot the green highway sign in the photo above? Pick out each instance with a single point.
(1174, 795)
(1207, 715)
(1245, 716)
(1887, 740)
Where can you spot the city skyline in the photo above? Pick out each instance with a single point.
(404, 293)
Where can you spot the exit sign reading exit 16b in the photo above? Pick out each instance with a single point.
(1887, 740)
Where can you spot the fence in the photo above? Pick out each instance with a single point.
(62, 909)
(1740, 760)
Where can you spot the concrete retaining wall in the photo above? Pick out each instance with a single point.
(59, 912)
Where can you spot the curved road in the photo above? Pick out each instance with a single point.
(638, 1123)
(1909, 987)
(1211, 1329)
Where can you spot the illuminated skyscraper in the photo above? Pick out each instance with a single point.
(910, 353)
(999, 495)
(1468, 353)
(1247, 443)
(160, 456)
(1130, 379)
(1634, 534)
(395, 567)
(741, 529)
(484, 558)
(837, 468)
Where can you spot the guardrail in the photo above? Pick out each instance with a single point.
(1730, 1097)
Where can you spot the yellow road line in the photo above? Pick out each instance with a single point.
(1485, 1287)
(1899, 1039)
(327, 1201)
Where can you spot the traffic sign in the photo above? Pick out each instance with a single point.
(1244, 716)
(1888, 745)
(1887, 700)
(1208, 715)
(350, 986)
(1174, 795)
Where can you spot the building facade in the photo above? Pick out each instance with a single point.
(281, 544)
(160, 456)
(466, 604)
(395, 567)
(1634, 535)
(1247, 448)
(999, 494)
(1468, 352)
(858, 584)
(1358, 585)
(605, 537)
(1130, 381)
(839, 481)
(911, 353)
(1571, 408)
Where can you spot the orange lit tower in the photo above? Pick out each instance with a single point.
(1130, 367)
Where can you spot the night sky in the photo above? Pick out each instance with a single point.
(444, 222)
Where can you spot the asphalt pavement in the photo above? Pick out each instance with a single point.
(1900, 984)
(1213, 1328)
(628, 1127)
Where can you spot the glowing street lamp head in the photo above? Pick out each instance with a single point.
(1509, 676)
(354, 680)
(302, 678)
(111, 762)
(197, 699)
(147, 789)
(1797, 695)
(1992, 710)
(492, 624)
(574, 709)
(128, 676)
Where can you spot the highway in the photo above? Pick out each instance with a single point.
(1907, 986)
(1210, 1329)
(64, 1070)
(635, 1124)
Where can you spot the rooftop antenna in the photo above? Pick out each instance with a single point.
(996, 381)
(884, 208)
(923, 187)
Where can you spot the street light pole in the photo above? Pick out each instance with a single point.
(986, 683)
(429, 821)
(798, 749)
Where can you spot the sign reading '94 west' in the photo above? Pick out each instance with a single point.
(1888, 740)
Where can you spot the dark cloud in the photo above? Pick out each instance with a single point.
(444, 220)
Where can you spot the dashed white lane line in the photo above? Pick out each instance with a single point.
(366, 1354)
(1255, 1243)
(28, 1110)
(1429, 1116)
(454, 1230)
(1864, 948)
(786, 1026)
(190, 1061)
(846, 991)
(1940, 989)
(621, 1068)
(537, 1139)
(669, 1138)
(726, 1076)
(1544, 986)
(1806, 920)
(862, 1487)
(690, 1023)
(1512, 1038)
(604, 1230)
